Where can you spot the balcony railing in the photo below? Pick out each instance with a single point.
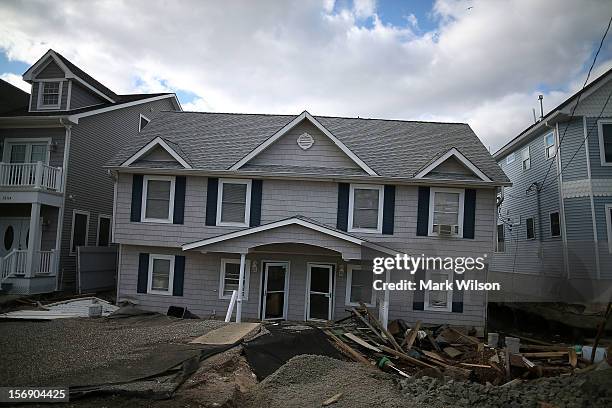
(37, 176)
(15, 263)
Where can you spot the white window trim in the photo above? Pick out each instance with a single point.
(546, 146)
(145, 187)
(110, 228)
(170, 275)
(513, 155)
(6, 151)
(74, 213)
(349, 281)
(381, 199)
(602, 152)
(608, 208)
(523, 159)
(534, 228)
(449, 293)
(432, 197)
(550, 223)
(140, 118)
(247, 277)
(40, 105)
(247, 209)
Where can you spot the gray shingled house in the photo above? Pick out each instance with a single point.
(289, 203)
(55, 194)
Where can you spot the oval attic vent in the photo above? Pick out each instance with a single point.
(305, 141)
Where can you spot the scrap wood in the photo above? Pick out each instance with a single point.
(452, 352)
(362, 342)
(432, 341)
(433, 356)
(405, 357)
(389, 336)
(573, 358)
(454, 335)
(355, 355)
(476, 365)
(546, 354)
(600, 330)
(365, 321)
(531, 340)
(412, 335)
(332, 400)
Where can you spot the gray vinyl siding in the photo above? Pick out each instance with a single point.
(573, 146)
(593, 104)
(51, 71)
(89, 187)
(57, 135)
(323, 153)
(581, 249)
(544, 254)
(34, 96)
(81, 97)
(597, 170)
(605, 255)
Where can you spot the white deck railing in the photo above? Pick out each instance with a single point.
(33, 175)
(15, 263)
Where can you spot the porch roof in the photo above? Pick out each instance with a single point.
(298, 229)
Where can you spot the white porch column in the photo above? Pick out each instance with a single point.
(33, 243)
(240, 288)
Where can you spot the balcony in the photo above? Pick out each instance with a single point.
(30, 176)
(14, 264)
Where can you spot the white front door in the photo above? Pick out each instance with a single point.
(320, 283)
(275, 287)
(13, 234)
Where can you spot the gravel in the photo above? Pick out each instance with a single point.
(36, 353)
(307, 381)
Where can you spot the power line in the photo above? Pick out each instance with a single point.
(577, 102)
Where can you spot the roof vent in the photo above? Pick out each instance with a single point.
(305, 141)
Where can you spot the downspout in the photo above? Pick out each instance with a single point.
(60, 218)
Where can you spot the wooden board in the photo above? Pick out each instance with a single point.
(361, 342)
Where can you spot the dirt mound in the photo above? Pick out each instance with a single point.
(307, 381)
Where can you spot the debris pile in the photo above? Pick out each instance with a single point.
(447, 352)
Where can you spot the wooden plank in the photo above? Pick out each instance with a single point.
(405, 357)
(452, 352)
(355, 355)
(573, 358)
(361, 342)
(389, 336)
(546, 354)
(332, 400)
(412, 335)
(364, 321)
(476, 365)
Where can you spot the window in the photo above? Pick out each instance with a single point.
(104, 230)
(158, 199)
(438, 300)
(234, 202)
(530, 224)
(605, 142)
(230, 277)
(26, 150)
(359, 286)
(365, 208)
(555, 224)
(142, 122)
(510, 158)
(526, 158)
(50, 93)
(446, 211)
(549, 145)
(80, 230)
(161, 274)
(501, 239)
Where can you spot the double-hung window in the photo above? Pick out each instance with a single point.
(549, 145)
(161, 274)
(446, 211)
(365, 208)
(234, 202)
(80, 230)
(530, 228)
(26, 150)
(359, 286)
(50, 93)
(158, 199)
(555, 224)
(439, 298)
(526, 158)
(605, 141)
(230, 277)
(510, 158)
(501, 239)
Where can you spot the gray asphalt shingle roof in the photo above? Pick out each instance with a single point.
(392, 148)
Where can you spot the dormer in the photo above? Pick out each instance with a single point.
(59, 85)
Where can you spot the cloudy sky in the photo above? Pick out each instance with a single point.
(480, 62)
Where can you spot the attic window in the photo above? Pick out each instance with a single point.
(50, 93)
(142, 122)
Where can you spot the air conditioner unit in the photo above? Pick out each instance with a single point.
(445, 229)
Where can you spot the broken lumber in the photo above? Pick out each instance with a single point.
(362, 342)
(354, 354)
(546, 354)
(412, 335)
(332, 400)
(405, 357)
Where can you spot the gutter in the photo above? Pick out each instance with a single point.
(36, 121)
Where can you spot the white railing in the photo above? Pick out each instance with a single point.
(15, 263)
(34, 175)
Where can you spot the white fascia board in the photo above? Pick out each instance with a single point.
(291, 125)
(158, 141)
(459, 156)
(75, 118)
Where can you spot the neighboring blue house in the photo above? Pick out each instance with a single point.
(559, 225)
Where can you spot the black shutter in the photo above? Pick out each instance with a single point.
(457, 295)
(179, 275)
(255, 217)
(388, 210)
(211, 201)
(469, 213)
(418, 295)
(143, 273)
(136, 197)
(179, 199)
(423, 212)
(343, 204)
